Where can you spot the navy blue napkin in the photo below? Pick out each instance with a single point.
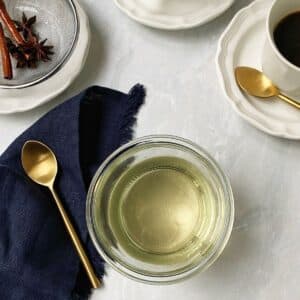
(37, 259)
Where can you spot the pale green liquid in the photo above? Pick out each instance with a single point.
(163, 211)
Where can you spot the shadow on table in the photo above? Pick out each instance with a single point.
(95, 61)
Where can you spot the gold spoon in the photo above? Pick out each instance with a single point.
(259, 85)
(40, 164)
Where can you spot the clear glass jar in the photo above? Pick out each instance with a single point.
(201, 228)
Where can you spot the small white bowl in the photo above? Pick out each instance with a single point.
(173, 14)
(20, 100)
(58, 22)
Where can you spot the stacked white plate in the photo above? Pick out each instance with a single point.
(18, 100)
(173, 14)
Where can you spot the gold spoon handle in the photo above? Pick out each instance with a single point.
(289, 101)
(76, 241)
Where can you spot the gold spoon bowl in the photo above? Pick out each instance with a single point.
(257, 84)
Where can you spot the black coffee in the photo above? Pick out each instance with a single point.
(287, 37)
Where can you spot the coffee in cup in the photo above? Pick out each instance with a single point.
(281, 55)
(287, 37)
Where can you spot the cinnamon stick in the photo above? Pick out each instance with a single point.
(6, 61)
(10, 24)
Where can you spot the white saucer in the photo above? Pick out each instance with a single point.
(19, 100)
(241, 45)
(173, 14)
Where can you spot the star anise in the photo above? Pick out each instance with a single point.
(40, 50)
(33, 50)
(25, 26)
(24, 55)
(25, 45)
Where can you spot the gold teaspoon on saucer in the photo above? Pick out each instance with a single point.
(40, 164)
(257, 84)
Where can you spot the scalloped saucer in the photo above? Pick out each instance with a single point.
(241, 44)
(19, 100)
(173, 14)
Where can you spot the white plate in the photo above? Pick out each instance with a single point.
(19, 100)
(241, 45)
(173, 14)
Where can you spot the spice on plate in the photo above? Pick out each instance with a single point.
(33, 50)
(25, 45)
(6, 61)
(10, 24)
(25, 26)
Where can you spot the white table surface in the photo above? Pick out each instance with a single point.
(262, 260)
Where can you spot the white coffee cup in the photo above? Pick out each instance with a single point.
(282, 72)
